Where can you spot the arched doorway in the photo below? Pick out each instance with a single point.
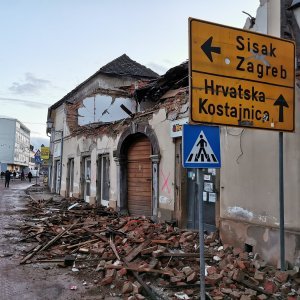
(139, 177)
(137, 158)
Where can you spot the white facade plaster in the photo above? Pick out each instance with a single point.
(161, 126)
(249, 173)
(76, 147)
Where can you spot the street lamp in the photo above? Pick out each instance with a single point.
(50, 124)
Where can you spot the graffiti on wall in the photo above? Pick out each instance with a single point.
(165, 186)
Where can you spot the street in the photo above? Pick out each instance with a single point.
(29, 281)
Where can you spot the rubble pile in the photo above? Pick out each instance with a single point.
(146, 260)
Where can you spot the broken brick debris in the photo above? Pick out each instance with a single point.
(147, 258)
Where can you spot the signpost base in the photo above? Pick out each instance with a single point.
(201, 234)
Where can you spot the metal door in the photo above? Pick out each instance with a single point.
(139, 177)
(180, 186)
(209, 198)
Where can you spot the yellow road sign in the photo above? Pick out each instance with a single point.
(45, 152)
(241, 78)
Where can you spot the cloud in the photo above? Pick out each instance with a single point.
(24, 102)
(31, 85)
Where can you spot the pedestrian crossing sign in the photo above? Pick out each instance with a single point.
(201, 146)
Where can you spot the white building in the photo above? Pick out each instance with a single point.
(14, 144)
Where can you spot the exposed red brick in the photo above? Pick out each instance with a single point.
(213, 279)
(241, 264)
(122, 272)
(211, 270)
(281, 276)
(237, 251)
(127, 287)
(187, 270)
(270, 287)
(192, 278)
(238, 275)
(260, 276)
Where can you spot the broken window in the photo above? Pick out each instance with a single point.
(104, 108)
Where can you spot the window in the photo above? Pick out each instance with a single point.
(103, 185)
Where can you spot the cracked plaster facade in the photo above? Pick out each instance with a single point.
(249, 196)
(94, 139)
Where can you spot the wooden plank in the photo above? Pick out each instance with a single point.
(136, 251)
(139, 193)
(144, 199)
(57, 238)
(139, 178)
(140, 188)
(27, 257)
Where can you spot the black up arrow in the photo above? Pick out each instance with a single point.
(281, 103)
(208, 49)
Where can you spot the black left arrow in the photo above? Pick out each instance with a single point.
(208, 49)
(281, 103)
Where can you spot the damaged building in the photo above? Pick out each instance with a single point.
(116, 141)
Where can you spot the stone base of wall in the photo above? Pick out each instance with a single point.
(164, 215)
(113, 204)
(76, 195)
(264, 240)
(63, 193)
(92, 200)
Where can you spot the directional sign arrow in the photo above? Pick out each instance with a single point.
(281, 103)
(208, 49)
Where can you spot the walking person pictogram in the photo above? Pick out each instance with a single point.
(203, 144)
(201, 151)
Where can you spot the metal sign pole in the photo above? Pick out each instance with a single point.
(281, 204)
(201, 234)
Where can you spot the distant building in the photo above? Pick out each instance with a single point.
(31, 164)
(14, 144)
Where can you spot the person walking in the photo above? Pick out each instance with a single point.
(7, 178)
(22, 175)
(29, 176)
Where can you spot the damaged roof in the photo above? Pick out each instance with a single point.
(174, 78)
(124, 65)
(121, 66)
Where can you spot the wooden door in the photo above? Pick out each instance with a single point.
(139, 178)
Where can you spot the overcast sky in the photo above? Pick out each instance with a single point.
(48, 47)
